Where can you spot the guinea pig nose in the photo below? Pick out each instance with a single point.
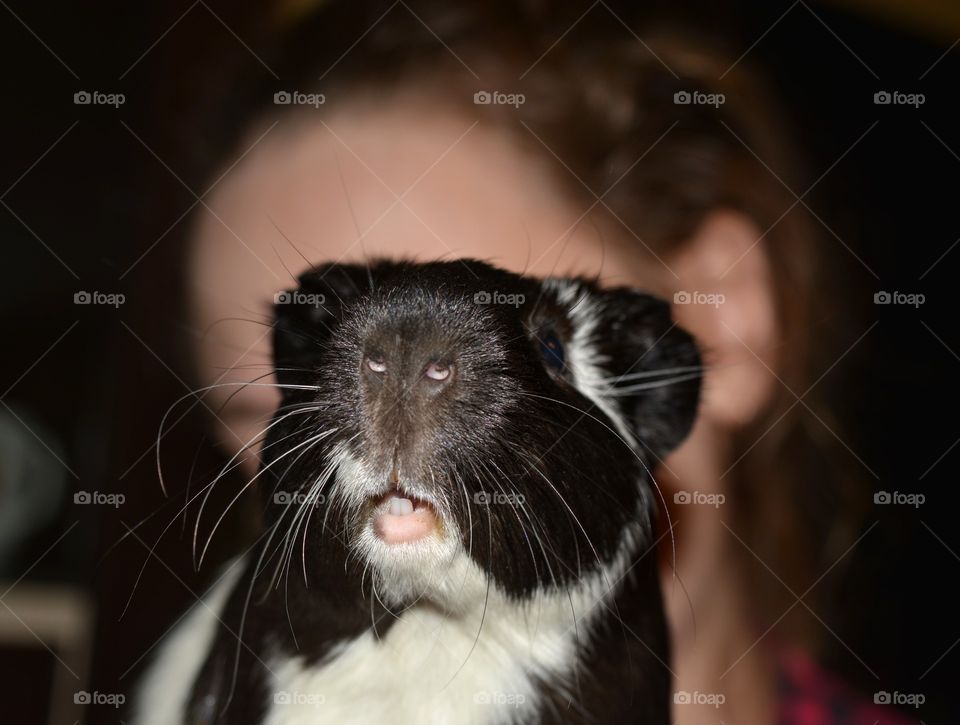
(439, 372)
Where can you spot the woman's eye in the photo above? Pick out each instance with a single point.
(552, 350)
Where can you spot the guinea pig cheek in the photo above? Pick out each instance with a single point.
(398, 519)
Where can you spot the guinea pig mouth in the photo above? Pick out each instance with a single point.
(399, 518)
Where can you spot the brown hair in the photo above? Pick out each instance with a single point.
(601, 98)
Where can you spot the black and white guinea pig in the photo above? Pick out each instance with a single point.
(459, 506)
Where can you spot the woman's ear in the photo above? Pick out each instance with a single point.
(725, 298)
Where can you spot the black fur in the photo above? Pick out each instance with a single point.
(507, 422)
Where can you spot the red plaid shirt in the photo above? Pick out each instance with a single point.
(811, 696)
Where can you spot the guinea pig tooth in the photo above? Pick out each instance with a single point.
(400, 506)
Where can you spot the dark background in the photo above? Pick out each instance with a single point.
(79, 198)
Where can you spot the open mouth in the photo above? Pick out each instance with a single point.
(399, 518)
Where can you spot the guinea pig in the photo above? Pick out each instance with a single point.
(459, 509)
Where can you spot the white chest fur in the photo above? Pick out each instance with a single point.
(430, 668)
(163, 691)
(478, 666)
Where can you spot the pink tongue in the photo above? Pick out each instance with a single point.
(414, 526)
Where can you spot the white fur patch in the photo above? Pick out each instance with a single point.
(584, 361)
(476, 664)
(164, 689)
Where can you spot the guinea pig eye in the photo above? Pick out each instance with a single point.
(377, 366)
(552, 350)
(438, 372)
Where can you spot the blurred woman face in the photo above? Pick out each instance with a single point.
(406, 178)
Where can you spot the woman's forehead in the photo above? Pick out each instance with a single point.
(411, 180)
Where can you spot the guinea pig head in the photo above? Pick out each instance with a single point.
(452, 415)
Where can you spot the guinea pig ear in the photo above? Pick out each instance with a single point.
(304, 317)
(654, 367)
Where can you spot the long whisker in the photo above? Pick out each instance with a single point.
(632, 447)
(486, 601)
(533, 528)
(231, 465)
(182, 511)
(632, 389)
(249, 483)
(657, 373)
(194, 393)
(243, 615)
(586, 536)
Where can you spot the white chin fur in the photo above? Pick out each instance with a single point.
(435, 568)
